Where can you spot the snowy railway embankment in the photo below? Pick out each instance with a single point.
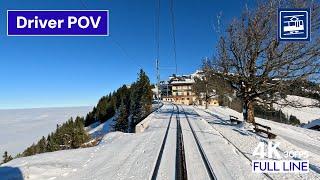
(291, 138)
(179, 142)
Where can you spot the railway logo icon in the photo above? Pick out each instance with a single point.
(294, 24)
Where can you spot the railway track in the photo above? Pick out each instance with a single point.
(157, 165)
(181, 168)
(180, 159)
(205, 160)
(180, 164)
(265, 174)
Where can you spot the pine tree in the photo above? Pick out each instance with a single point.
(141, 99)
(135, 108)
(52, 145)
(146, 98)
(79, 135)
(42, 144)
(122, 121)
(6, 157)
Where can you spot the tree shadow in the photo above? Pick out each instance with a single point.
(10, 173)
(244, 133)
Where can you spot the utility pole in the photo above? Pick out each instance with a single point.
(167, 89)
(158, 82)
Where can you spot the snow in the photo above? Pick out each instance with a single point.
(133, 156)
(167, 165)
(226, 162)
(290, 137)
(118, 156)
(304, 114)
(100, 129)
(195, 167)
(22, 127)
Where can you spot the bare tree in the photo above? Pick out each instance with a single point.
(204, 87)
(256, 64)
(208, 85)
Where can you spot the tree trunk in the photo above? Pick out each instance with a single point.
(248, 112)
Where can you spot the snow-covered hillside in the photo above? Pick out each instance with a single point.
(118, 156)
(228, 150)
(304, 114)
(98, 129)
(21, 127)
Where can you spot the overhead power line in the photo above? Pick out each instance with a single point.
(157, 28)
(157, 43)
(123, 50)
(173, 34)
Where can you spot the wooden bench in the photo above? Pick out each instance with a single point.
(235, 120)
(265, 130)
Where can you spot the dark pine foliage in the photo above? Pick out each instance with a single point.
(140, 100)
(132, 104)
(69, 135)
(304, 88)
(6, 157)
(274, 115)
(104, 110)
(128, 104)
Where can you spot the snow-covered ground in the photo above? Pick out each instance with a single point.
(226, 161)
(22, 127)
(98, 129)
(290, 137)
(118, 156)
(133, 156)
(304, 114)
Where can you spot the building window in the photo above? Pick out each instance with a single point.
(182, 98)
(187, 98)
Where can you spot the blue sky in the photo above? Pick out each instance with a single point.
(77, 71)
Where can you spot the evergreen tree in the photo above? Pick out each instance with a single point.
(135, 103)
(91, 117)
(141, 99)
(135, 108)
(294, 120)
(42, 144)
(79, 134)
(146, 98)
(6, 157)
(122, 121)
(52, 145)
